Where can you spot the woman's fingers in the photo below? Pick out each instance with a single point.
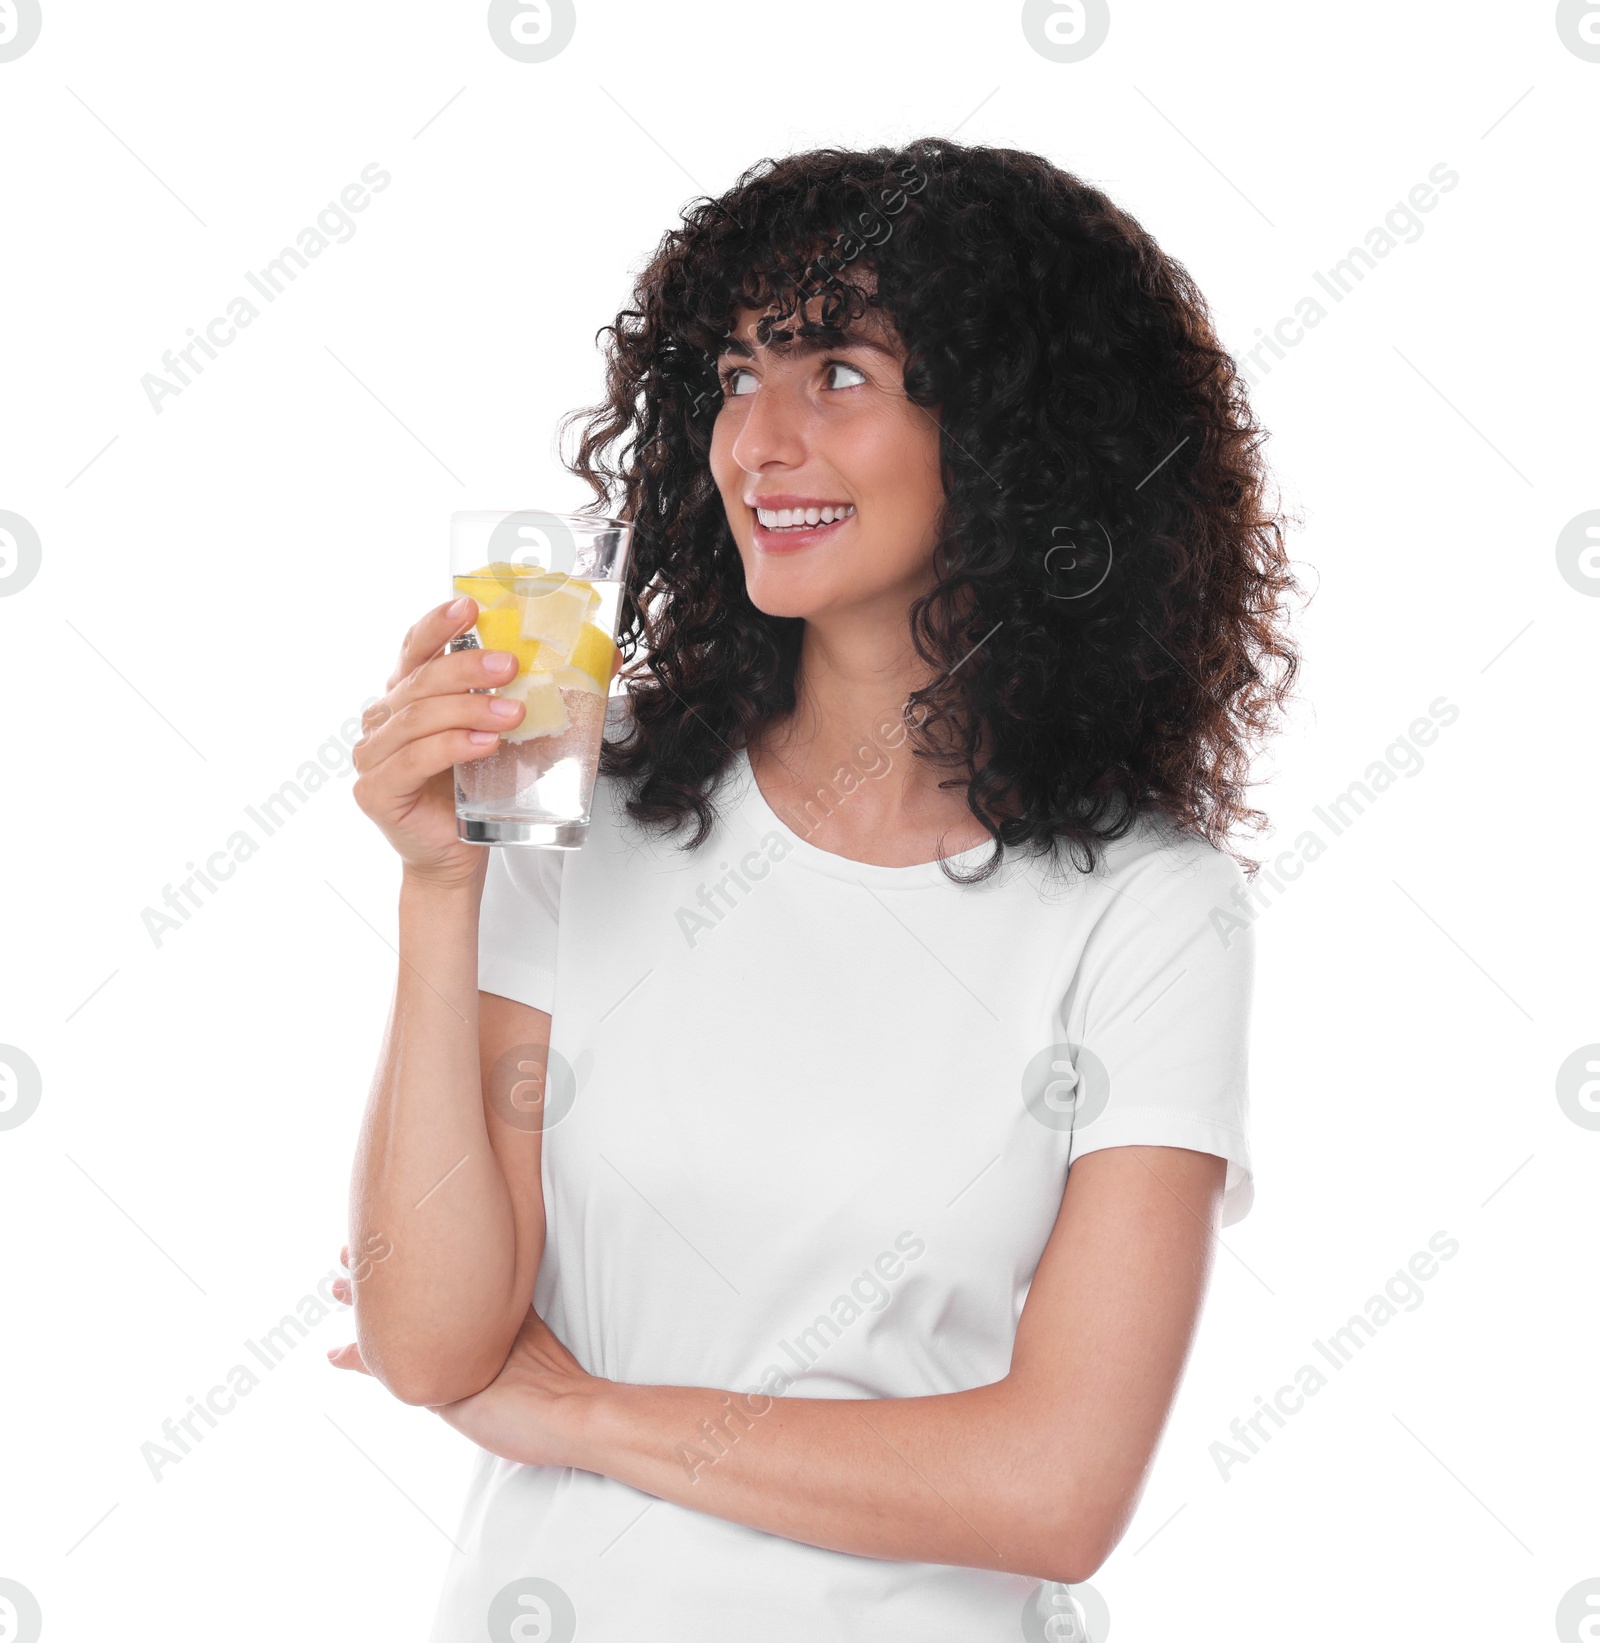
(393, 785)
(426, 717)
(347, 1356)
(431, 634)
(455, 674)
(444, 693)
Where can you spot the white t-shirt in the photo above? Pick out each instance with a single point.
(809, 1127)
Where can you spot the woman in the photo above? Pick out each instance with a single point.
(880, 1126)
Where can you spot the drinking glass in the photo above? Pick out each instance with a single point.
(549, 590)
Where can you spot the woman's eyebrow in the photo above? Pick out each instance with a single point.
(807, 345)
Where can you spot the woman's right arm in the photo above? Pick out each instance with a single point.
(447, 1189)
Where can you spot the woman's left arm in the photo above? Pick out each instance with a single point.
(1038, 1473)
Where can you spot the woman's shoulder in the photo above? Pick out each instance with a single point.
(1154, 853)
(1157, 847)
(1162, 881)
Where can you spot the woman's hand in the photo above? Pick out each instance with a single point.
(533, 1409)
(529, 1412)
(429, 721)
(347, 1356)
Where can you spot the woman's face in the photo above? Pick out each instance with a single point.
(807, 425)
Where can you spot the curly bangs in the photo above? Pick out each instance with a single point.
(1108, 634)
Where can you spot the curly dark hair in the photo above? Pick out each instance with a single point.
(1108, 630)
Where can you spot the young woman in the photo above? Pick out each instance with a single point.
(882, 1125)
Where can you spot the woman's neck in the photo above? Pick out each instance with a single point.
(854, 787)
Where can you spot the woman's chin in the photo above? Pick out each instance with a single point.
(788, 594)
(815, 597)
(784, 590)
(804, 609)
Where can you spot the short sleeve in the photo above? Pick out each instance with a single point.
(1158, 1013)
(517, 925)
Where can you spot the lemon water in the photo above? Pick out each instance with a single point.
(539, 780)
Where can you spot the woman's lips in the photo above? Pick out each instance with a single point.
(796, 536)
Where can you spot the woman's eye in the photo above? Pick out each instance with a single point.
(841, 365)
(730, 381)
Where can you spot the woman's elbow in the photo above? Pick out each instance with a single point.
(1069, 1539)
(427, 1380)
(1076, 1560)
(425, 1392)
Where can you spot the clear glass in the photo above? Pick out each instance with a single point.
(549, 589)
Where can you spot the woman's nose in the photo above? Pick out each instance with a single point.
(773, 430)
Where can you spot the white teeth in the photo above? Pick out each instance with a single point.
(780, 519)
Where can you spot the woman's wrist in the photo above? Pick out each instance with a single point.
(569, 1428)
(530, 1422)
(637, 1434)
(586, 1420)
(443, 887)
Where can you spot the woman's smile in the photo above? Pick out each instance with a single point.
(784, 523)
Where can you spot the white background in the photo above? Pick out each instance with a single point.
(224, 583)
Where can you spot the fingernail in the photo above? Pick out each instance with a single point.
(458, 609)
(499, 661)
(502, 707)
(482, 737)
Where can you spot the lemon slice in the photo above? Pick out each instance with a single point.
(554, 610)
(547, 713)
(574, 678)
(593, 655)
(490, 585)
(491, 595)
(500, 628)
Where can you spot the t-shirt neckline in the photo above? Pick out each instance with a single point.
(767, 820)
